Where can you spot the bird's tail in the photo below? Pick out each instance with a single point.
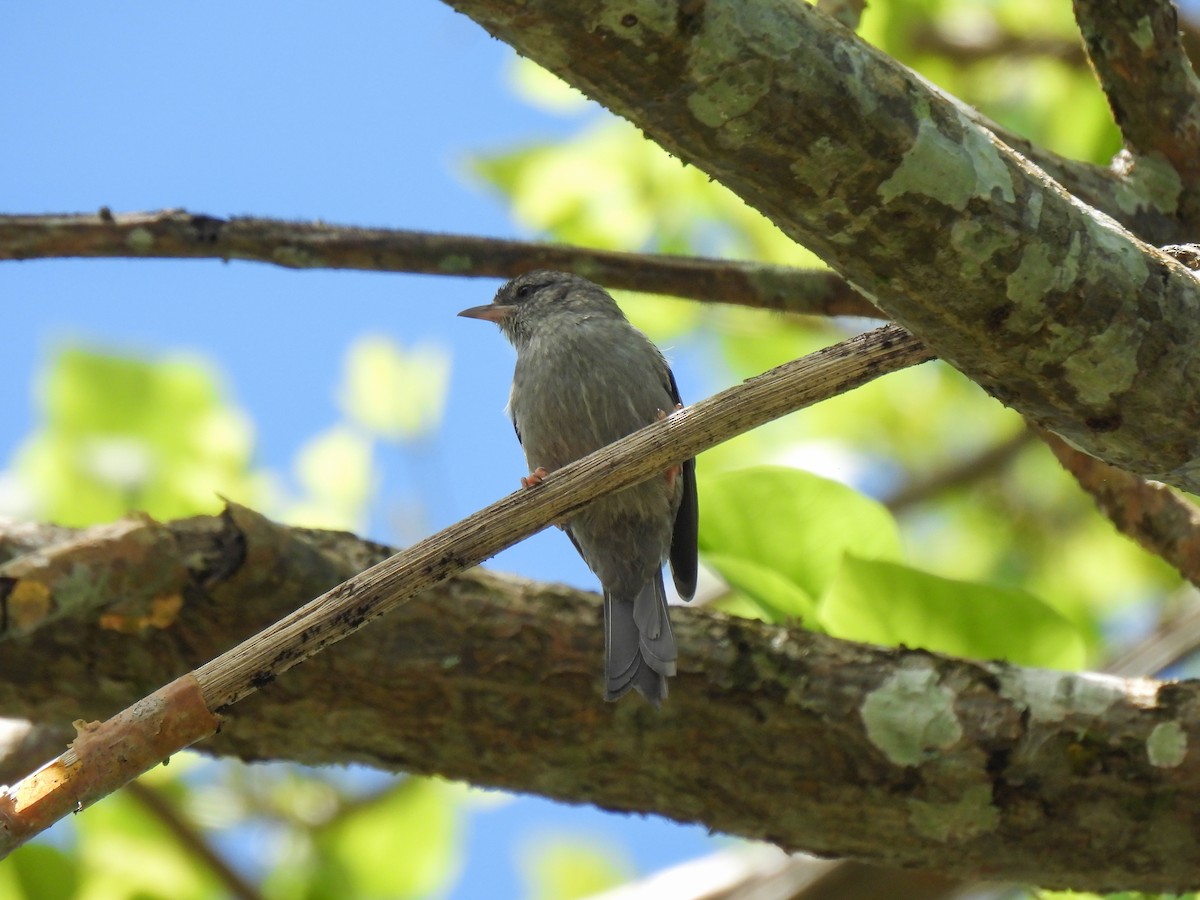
(639, 646)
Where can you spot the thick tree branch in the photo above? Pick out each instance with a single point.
(1137, 51)
(176, 234)
(803, 878)
(1050, 307)
(896, 756)
(1153, 515)
(108, 755)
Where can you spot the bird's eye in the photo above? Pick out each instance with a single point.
(524, 291)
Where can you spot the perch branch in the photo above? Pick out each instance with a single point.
(1157, 517)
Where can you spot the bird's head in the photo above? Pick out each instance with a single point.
(542, 298)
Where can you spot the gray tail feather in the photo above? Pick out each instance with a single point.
(639, 646)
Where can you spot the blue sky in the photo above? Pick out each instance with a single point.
(359, 114)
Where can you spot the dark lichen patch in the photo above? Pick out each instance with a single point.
(1105, 422)
(994, 320)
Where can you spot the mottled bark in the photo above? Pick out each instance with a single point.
(895, 756)
(1137, 52)
(1156, 517)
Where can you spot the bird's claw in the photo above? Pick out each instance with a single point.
(662, 414)
(672, 473)
(534, 478)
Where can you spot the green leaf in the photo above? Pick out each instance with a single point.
(543, 89)
(420, 817)
(611, 187)
(775, 597)
(565, 869)
(45, 873)
(123, 852)
(396, 392)
(887, 603)
(335, 468)
(793, 523)
(121, 433)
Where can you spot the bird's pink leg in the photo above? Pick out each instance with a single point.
(534, 478)
(672, 473)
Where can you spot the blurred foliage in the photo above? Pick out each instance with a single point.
(561, 868)
(1012, 563)
(119, 433)
(888, 603)
(1122, 895)
(395, 392)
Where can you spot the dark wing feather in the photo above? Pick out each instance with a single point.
(687, 523)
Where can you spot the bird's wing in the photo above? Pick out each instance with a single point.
(687, 523)
(567, 529)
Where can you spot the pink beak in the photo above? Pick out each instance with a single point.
(492, 312)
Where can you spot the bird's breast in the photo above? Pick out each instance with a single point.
(583, 389)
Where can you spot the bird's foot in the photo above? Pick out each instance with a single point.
(534, 478)
(672, 473)
(663, 414)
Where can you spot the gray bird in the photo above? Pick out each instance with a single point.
(584, 378)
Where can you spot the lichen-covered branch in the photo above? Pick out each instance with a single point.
(899, 757)
(176, 234)
(1053, 309)
(1137, 51)
(1157, 517)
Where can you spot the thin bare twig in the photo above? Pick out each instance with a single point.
(986, 461)
(966, 46)
(190, 839)
(176, 234)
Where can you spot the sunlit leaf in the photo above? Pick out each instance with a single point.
(396, 392)
(404, 844)
(123, 854)
(562, 868)
(792, 522)
(545, 90)
(335, 469)
(777, 598)
(120, 433)
(45, 873)
(888, 603)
